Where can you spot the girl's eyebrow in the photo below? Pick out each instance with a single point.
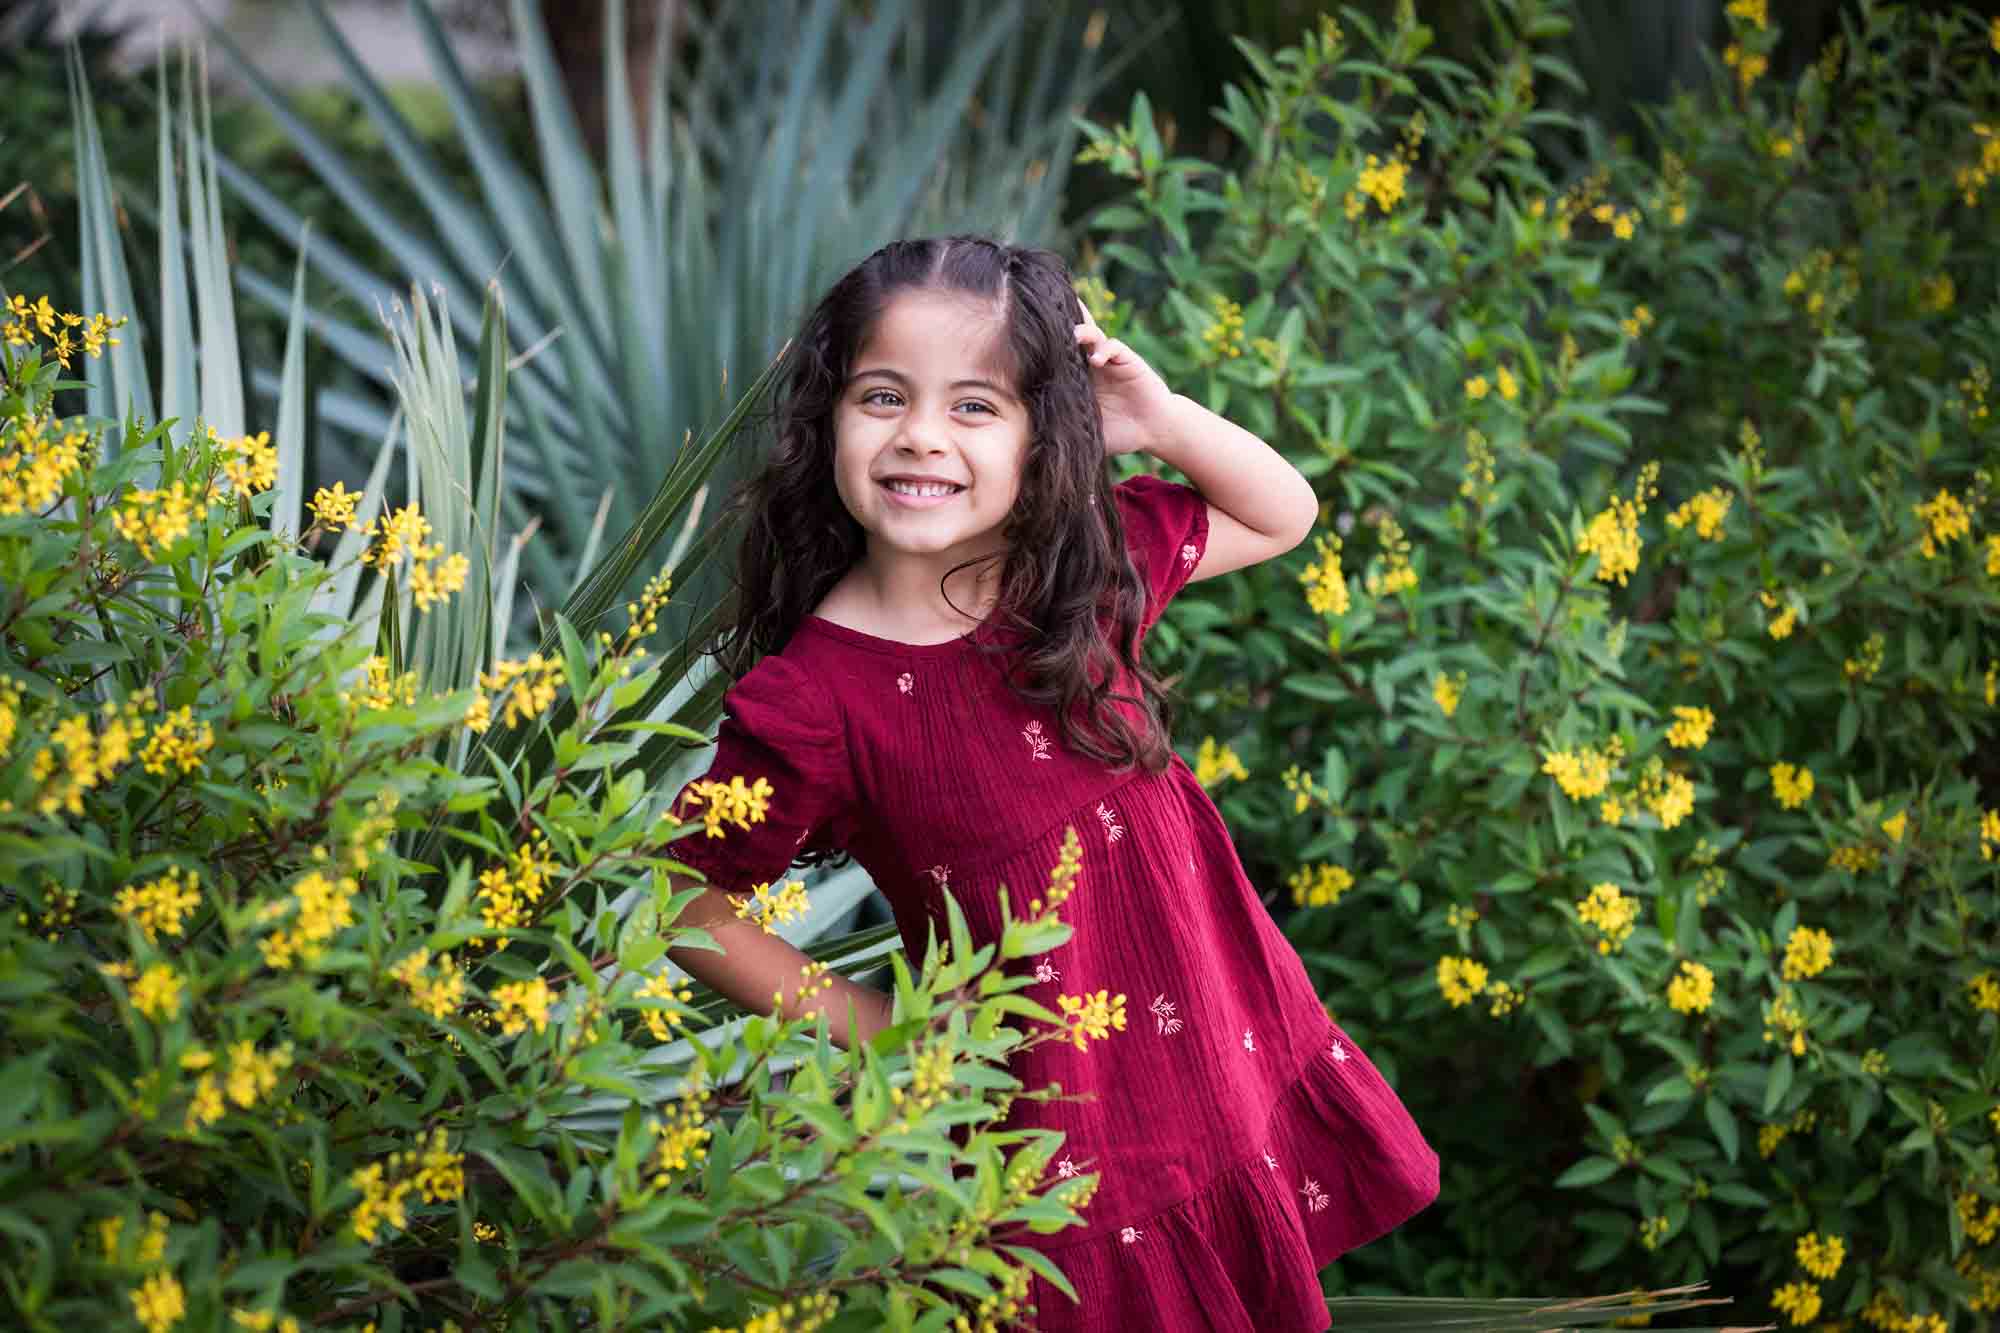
(898, 377)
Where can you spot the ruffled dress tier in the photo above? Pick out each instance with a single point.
(1241, 1139)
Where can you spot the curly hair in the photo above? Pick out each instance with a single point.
(1066, 577)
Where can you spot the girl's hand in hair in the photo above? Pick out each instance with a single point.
(1132, 397)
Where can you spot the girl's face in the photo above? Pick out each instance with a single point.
(928, 435)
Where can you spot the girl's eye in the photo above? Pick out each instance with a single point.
(974, 402)
(874, 396)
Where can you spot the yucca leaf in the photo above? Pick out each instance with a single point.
(288, 498)
(122, 388)
(178, 395)
(214, 297)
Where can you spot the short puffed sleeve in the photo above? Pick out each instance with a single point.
(779, 726)
(1166, 531)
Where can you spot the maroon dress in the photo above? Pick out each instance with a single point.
(1241, 1140)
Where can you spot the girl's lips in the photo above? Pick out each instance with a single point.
(918, 501)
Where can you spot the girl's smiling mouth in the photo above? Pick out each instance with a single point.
(920, 495)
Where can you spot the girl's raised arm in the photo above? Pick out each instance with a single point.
(1259, 506)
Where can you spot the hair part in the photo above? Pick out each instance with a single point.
(1066, 576)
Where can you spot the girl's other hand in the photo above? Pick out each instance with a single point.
(1132, 397)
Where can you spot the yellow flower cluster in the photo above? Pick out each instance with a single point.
(1749, 65)
(1821, 1258)
(1798, 1301)
(258, 1321)
(1304, 790)
(380, 691)
(1707, 511)
(1692, 990)
(1895, 824)
(10, 713)
(178, 741)
(431, 1170)
(1984, 1281)
(1623, 222)
(434, 576)
(1792, 783)
(153, 520)
(1638, 321)
(1749, 11)
(682, 1139)
(1782, 624)
(158, 1303)
(1865, 667)
(1320, 885)
(1669, 795)
(734, 802)
(1396, 574)
(1583, 773)
(1612, 535)
(1224, 334)
(334, 508)
(249, 462)
(321, 905)
(1096, 296)
(931, 1078)
(1992, 572)
(1945, 519)
(65, 333)
(1855, 858)
(88, 758)
(509, 891)
(1326, 585)
(1980, 1227)
(1477, 484)
(1386, 182)
(1505, 998)
(437, 991)
(159, 906)
(1460, 979)
(1092, 1015)
(34, 465)
(1972, 177)
(1447, 691)
(662, 1022)
(1652, 1231)
(157, 992)
(522, 1003)
(1213, 763)
(767, 905)
(1808, 952)
(1885, 1312)
(808, 1314)
(249, 1077)
(1062, 879)
(1785, 1023)
(1613, 914)
(1985, 992)
(1691, 727)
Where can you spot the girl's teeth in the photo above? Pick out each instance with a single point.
(905, 488)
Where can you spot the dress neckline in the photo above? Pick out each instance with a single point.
(863, 639)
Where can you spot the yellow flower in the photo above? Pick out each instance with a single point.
(1706, 511)
(1749, 11)
(1798, 1300)
(1989, 834)
(734, 802)
(157, 993)
(1477, 387)
(179, 741)
(1821, 1258)
(158, 1303)
(1612, 811)
(1808, 952)
(1985, 992)
(662, 1022)
(1785, 1023)
(1319, 886)
(767, 904)
(159, 906)
(528, 687)
(334, 508)
(1612, 913)
(1447, 692)
(206, 1106)
(1213, 763)
(1794, 785)
(1693, 990)
(1612, 535)
(521, 1003)
(1583, 774)
(439, 994)
(1945, 519)
(1895, 824)
(1384, 182)
(1510, 388)
(1326, 585)
(153, 520)
(1460, 979)
(1092, 1015)
(250, 462)
(1224, 335)
(1691, 727)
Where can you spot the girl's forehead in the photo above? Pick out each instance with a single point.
(939, 329)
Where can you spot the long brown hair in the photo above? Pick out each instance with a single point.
(1066, 572)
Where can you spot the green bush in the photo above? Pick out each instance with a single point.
(260, 1064)
(1628, 737)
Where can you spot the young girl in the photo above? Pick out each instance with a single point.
(944, 598)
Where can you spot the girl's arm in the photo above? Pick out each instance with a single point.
(1259, 506)
(755, 963)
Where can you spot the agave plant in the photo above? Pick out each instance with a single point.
(762, 168)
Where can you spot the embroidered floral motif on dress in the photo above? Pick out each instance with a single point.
(906, 682)
(1338, 1052)
(1270, 1161)
(1248, 1043)
(1163, 1009)
(1130, 1234)
(1065, 1169)
(940, 876)
(1033, 731)
(1113, 830)
(1188, 556)
(1316, 1198)
(1047, 971)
